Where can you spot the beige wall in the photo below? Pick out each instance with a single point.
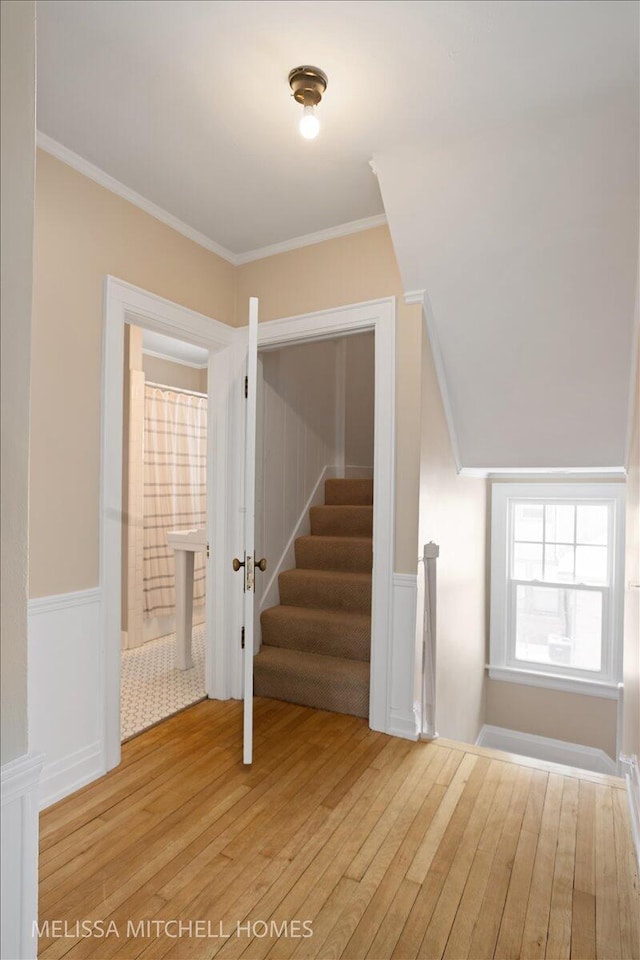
(17, 165)
(453, 513)
(338, 272)
(174, 374)
(631, 677)
(84, 232)
(553, 713)
(359, 400)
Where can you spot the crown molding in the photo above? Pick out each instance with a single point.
(414, 296)
(331, 233)
(60, 152)
(88, 169)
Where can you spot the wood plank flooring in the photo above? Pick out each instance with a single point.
(377, 846)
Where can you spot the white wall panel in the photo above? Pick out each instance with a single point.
(296, 443)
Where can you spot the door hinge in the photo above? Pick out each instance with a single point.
(246, 388)
(208, 552)
(242, 638)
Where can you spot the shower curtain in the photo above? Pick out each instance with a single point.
(175, 487)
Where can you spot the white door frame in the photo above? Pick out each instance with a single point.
(125, 303)
(379, 316)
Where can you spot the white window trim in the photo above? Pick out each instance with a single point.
(606, 683)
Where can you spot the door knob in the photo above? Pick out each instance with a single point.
(237, 564)
(262, 564)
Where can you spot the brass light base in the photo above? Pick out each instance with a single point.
(308, 84)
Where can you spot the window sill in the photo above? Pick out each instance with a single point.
(551, 681)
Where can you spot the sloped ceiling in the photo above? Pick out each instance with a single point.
(525, 240)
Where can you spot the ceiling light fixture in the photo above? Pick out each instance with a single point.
(308, 84)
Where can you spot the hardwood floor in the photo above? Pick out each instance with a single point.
(387, 848)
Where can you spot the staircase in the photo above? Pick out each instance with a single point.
(315, 644)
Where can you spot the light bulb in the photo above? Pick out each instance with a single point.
(309, 123)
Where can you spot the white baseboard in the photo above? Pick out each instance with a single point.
(631, 773)
(271, 595)
(545, 748)
(66, 691)
(19, 871)
(65, 776)
(403, 726)
(402, 720)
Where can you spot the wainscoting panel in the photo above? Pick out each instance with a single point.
(403, 721)
(19, 878)
(66, 691)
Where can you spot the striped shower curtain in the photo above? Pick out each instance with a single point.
(175, 485)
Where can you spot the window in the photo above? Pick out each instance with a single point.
(556, 584)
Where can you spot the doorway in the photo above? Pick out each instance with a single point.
(128, 307)
(377, 317)
(314, 518)
(164, 494)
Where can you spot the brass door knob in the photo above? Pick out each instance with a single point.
(237, 564)
(262, 564)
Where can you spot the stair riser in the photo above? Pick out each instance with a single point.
(329, 640)
(341, 521)
(295, 687)
(348, 491)
(333, 595)
(314, 553)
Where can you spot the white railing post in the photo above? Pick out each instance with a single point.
(430, 555)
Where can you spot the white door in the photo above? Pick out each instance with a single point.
(248, 565)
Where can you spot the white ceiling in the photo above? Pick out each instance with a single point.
(187, 102)
(505, 136)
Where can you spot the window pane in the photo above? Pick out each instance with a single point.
(559, 523)
(591, 564)
(528, 521)
(527, 561)
(593, 523)
(559, 626)
(558, 562)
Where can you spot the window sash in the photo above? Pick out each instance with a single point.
(606, 664)
(575, 502)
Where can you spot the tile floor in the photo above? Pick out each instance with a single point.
(152, 688)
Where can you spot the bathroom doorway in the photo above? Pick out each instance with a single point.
(164, 496)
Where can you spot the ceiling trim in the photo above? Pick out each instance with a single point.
(94, 173)
(331, 233)
(88, 169)
(166, 356)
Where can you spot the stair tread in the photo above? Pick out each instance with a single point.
(332, 633)
(313, 663)
(325, 683)
(333, 538)
(348, 491)
(318, 614)
(299, 573)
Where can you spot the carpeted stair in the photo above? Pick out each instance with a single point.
(315, 644)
